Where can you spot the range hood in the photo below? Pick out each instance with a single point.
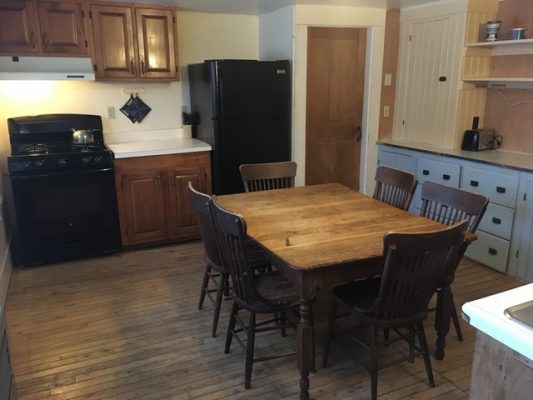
(46, 68)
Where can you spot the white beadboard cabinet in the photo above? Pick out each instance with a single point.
(505, 234)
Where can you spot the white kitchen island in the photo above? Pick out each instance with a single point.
(503, 358)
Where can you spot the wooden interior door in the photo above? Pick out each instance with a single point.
(335, 84)
(157, 58)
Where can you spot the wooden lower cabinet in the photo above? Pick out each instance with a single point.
(153, 201)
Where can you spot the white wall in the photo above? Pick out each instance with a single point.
(276, 34)
(374, 20)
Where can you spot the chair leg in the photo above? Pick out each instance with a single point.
(249, 351)
(425, 352)
(455, 320)
(411, 344)
(374, 364)
(231, 326)
(205, 282)
(218, 303)
(329, 334)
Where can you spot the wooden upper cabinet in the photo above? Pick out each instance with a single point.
(19, 29)
(114, 48)
(134, 43)
(157, 44)
(62, 28)
(43, 28)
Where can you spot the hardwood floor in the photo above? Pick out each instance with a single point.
(127, 326)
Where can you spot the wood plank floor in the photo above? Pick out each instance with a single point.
(127, 326)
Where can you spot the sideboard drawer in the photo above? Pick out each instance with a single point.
(438, 171)
(498, 220)
(489, 250)
(499, 188)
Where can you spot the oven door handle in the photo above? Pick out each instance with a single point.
(61, 173)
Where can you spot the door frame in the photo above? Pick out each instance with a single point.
(374, 22)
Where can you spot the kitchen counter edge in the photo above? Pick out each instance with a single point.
(487, 315)
(146, 148)
(501, 158)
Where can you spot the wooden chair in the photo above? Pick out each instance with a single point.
(266, 293)
(413, 268)
(449, 205)
(268, 176)
(394, 187)
(216, 272)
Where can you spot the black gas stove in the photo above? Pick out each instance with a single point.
(44, 144)
(60, 196)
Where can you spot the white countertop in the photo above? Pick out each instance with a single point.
(487, 315)
(510, 159)
(152, 143)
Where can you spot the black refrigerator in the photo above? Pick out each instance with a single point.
(242, 108)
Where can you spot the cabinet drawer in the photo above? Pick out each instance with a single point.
(438, 171)
(498, 220)
(399, 161)
(489, 250)
(499, 188)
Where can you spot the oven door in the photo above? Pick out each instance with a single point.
(65, 204)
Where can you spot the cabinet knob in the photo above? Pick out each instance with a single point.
(132, 66)
(446, 177)
(474, 183)
(425, 172)
(143, 67)
(492, 251)
(497, 221)
(500, 189)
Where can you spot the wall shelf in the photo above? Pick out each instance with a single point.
(505, 47)
(501, 83)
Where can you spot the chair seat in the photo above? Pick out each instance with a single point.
(359, 295)
(276, 291)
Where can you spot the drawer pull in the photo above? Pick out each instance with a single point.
(497, 221)
(474, 183)
(425, 172)
(500, 189)
(492, 251)
(446, 177)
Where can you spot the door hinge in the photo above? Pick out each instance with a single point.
(410, 37)
(525, 196)
(403, 122)
(86, 43)
(517, 252)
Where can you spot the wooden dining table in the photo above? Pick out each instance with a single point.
(320, 236)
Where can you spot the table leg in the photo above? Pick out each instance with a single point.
(305, 347)
(442, 319)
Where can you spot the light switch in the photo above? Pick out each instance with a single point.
(388, 79)
(111, 112)
(386, 111)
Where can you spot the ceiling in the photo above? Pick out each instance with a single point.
(255, 7)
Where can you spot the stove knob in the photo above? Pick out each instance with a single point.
(62, 162)
(98, 159)
(86, 160)
(26, 165)
(39, 163)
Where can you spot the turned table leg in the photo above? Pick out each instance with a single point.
(442, 319)
(305, 347)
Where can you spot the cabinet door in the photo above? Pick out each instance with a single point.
(114, 47)
(521, 264)
(157, 45)
(141, 198)
(182, 220)
(62, 28)
(19, 29)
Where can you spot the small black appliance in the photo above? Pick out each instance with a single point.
(480, 139)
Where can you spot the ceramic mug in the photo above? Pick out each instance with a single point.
(518, 33)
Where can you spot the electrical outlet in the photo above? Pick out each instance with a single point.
(388, 79)
(111, 112)
(386, 111)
